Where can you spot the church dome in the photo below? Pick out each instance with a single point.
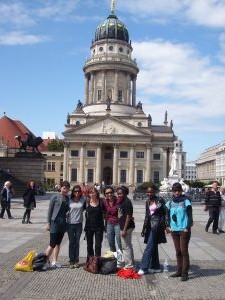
(112, 28)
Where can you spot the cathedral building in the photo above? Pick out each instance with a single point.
(109, 137)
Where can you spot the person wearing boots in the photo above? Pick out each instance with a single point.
(6, 195)
(29, 201)
(212, 204)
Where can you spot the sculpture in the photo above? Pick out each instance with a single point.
(139, 105)
(165, 185)
(108, 103)
(174, 163)
(185, 187)
(29, 142)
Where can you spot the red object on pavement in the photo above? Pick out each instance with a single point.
(128, 273)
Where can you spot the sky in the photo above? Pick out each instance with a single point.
(179, 46)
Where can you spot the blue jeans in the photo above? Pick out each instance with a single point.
(74, 233)
(113, 233)
(150, 256)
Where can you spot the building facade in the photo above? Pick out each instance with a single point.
(211, 164)
(108, 137)
(190, 171)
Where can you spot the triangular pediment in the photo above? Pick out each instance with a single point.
(107, 126)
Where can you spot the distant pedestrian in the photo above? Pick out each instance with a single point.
(212, 204)
(6, 196)
(153, 231)
(179, 222)
(75, 220)
(29, 201)
(222, 211)
(56, 222)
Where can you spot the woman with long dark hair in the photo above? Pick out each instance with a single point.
(29, 201)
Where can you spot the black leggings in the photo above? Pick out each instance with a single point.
(90, 241)
(27, 214)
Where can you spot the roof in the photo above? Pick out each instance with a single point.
(10, 128)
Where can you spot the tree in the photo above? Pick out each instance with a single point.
(55, 145)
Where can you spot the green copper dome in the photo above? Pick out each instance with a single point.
(112, 28)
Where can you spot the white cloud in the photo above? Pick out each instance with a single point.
(222, 47)
(176, 78)
(201, 12)
(20, 38)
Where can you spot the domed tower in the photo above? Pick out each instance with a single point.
(110, 72)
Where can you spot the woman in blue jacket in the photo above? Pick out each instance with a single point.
(179, 222)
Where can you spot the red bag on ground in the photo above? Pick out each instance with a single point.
(93, 265)
(128, 273)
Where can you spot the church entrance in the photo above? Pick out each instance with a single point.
(107, 175)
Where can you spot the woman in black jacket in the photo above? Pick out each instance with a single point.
(153, 231)
(29, 201)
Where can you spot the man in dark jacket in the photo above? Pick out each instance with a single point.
(213, 203)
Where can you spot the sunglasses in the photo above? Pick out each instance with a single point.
(76, 191)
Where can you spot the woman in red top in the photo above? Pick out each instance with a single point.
(111, 205)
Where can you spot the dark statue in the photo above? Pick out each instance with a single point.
(139, 105)
(79, 106)
(29, 142)
(108, 103)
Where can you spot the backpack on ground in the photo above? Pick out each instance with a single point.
(108, 265)
(39, 262)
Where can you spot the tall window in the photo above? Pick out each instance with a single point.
(90, 175)
(156, 156)
(140, 154)
(99, 95)
(73, 174)
(123, 154)
(120, 95)
(156, 177)
(123, 176)
(61, 167)
(139, 176)
(90, 153)
(74, 153)
(50, 166)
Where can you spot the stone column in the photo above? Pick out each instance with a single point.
(128, 89)
(134, 91)
(66, 161)
(98, 164)
(115, 164)
(148, 162)
(103, 86)
(131, 173)
(116, 87)
(164, 161)
(81, 171)
(86, 89)
(91, 89)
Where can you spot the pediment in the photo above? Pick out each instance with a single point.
(107, 126)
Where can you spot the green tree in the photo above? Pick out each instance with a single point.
(55, 145)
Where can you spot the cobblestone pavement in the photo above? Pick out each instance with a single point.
(207, 274)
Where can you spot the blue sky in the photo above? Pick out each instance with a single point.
(179, 46)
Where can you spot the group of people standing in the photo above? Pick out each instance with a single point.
(113, 214)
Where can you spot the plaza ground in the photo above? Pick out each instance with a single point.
(207, 256)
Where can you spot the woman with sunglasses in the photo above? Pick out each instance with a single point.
(111, 206)
(75, 220)
(94, 226)
(127, 225)
(179, 222)
(153, 231)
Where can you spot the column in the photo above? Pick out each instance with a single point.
(131, 173)
(164, 161)
(134, 91)
(116, 87)
(98, 164)
(103, 87)
(91, 89)
(128, 89)
(148, 162)
(115, 164)
(81, 173)
(65, 161)
(86, 89)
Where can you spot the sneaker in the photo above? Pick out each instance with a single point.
(175, 275)
(184, 277)
(152, 271)
(221, 231)
(141, 272)
(56, 264)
